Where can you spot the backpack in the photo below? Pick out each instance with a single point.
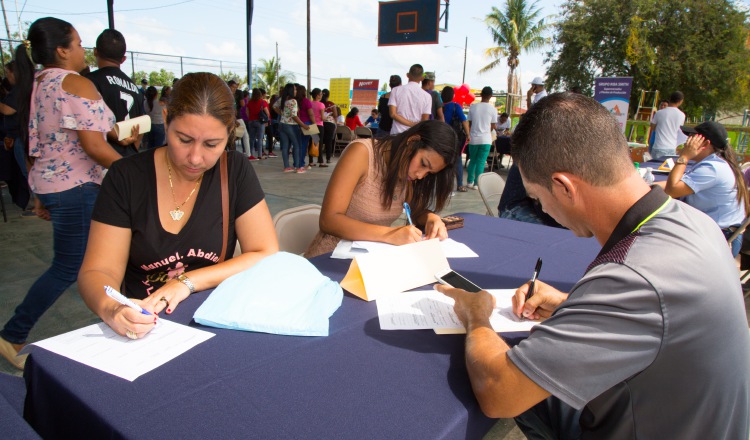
(455, 122)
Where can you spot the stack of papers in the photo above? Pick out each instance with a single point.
(347, 250)
(98, 346)
(430, 309)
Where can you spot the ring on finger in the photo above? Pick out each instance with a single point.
(165, 301)
(131, 334)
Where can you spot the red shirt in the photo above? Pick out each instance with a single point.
(353, 122)
(254, 109)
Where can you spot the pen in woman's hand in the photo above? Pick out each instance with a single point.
(120, 298)
(407, 210)
(537, 268)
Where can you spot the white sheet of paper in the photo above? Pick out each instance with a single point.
(98, 346)
(430, 309)
(349, 249)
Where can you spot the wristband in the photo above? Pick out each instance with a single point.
(186, 281)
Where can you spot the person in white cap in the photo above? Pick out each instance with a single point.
(536, 92)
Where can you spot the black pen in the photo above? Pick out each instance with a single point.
(537, 268)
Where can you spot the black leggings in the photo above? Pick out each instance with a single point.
(329, 134)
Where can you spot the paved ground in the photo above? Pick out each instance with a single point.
(28, 253)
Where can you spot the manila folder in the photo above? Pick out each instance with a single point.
(397, 269)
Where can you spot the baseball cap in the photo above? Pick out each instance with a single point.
(713, 131)
(538, 81)
(430, 76)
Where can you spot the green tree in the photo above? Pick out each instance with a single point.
(160, 78)
(90, 58)
(516, 29)
(696, 46)
(265, 76)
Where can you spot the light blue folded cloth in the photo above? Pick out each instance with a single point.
(282, 294)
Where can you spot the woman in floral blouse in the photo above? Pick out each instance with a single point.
(65, 121)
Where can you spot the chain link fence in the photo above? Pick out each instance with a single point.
(153, 62)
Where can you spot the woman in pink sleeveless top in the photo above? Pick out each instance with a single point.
(372, 181)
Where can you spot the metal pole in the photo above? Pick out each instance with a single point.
(182, 73)
(249, 44)
(278, 65)
(221, 68)
(308, 47)
(132, 63)
(5, 16)
(466, 45)
(111, 13)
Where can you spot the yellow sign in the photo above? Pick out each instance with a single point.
(340, 90)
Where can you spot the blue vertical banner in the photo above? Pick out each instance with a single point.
(614, 95)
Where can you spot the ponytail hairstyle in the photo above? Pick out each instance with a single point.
(45, 36)
(430, 192)
(728, 154)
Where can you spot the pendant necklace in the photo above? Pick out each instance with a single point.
(178, 213)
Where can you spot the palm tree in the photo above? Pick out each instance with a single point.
(515, 30)
(269, 75)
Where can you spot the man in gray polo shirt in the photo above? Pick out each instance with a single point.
(653, 341)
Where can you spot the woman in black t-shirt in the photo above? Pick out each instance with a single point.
(157, 229)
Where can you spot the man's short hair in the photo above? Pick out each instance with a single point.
(416, 72)
(486, 92)
(231, 82)
(568, 132)
(394, 81)
(144, 81)
(676, 97)
(110, 45)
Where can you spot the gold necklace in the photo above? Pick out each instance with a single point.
(178, 213)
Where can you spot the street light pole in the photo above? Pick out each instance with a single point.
(466, 45)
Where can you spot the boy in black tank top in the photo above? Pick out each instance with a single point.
(117, 89)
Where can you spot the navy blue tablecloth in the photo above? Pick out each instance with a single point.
(359, 382)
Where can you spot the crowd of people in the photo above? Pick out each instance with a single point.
(626, 353)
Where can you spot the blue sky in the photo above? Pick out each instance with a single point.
(343, 36)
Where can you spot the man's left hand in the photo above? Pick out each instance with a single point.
(471, 308)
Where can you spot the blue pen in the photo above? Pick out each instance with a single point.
(120, 298)
(407, 210)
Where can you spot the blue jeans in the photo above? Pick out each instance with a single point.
(71, 218)
(304, 140)
(256, 138)
(19, 151)
(288, 136)
(736, 243)
(658, 154)
(156, 136)
(522, 212)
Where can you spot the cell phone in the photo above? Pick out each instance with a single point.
(454, 279)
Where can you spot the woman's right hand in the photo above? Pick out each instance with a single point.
(403, 235)
(304, 126)
(40, 210)
(123, 319)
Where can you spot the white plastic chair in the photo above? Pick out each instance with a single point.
(296, 228)
(491, 187)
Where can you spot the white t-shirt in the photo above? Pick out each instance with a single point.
(482, 115)
(538, 96)
(411, 102)
(501, 126)
(668, 121)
